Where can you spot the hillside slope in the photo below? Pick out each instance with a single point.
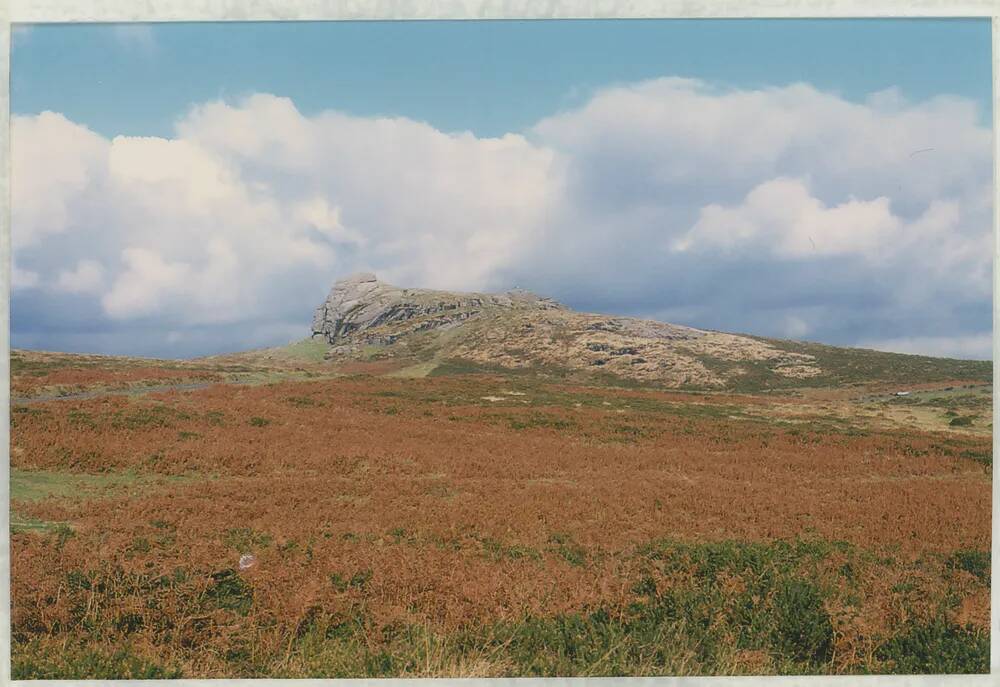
(366, 325)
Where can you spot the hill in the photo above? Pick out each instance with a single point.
(367, 325)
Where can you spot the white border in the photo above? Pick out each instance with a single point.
(53, 11)
(259, 10)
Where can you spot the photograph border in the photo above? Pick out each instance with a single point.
(108, 11)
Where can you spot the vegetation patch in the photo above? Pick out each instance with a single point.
(230, 592)
(938, 646)
(60, 661)
(245, 539)
(973, 562)
(35, 485)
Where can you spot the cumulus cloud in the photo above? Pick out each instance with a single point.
(783, 218)
(54, 162)
(86, 277)
(780, 211)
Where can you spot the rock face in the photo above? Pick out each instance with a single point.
(359, 304)
(415, 331)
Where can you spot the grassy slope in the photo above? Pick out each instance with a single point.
(735, 607)
(743, 608)
(842, 366)
(860, 365)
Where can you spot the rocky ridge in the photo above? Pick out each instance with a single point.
(359, 307)
(414, 331)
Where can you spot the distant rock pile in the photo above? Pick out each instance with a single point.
(360, 303)
(413, 332)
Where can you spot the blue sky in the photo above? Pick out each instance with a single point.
(487, 77)
(184, 189)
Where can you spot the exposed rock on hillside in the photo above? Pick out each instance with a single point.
(360, 304)
(415, 331)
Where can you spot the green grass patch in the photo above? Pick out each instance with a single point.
(938, 646)
(245, 539)
(972, 561)
(695, 625)
(311, 350)
(148, 416)
(24, 523)
(498, 551)
(230, 592)
(697, 608)
(861, 366)
(38, 661)
(358, 580)
(35, 485)
(571, 552)
(536, 420)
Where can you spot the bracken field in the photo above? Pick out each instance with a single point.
(489, 525)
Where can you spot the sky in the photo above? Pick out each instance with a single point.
(188, 189)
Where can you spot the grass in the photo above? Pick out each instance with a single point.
(973, 562)
(841, 366)
(45, 661)
(553, 594)
(245, 539)
(938, 646)
(230, 592)
(700, 608)
(859, 365)
(24, 523)
(308, 350)
(415, 371)
(148, 416)
(357, 580)
(35, 485)
(780, 614)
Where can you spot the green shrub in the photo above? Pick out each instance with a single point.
(802, 627)
(230, 592)
(245, 539)
(938, 646)
(972, 561)
(357, 581)
(568, 550)
(30, 662)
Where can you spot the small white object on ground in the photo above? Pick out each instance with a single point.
(247, 560)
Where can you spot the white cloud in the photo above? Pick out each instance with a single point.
(692, 135)
(53, 162)
(433, 208)
(141, 288)
(23, 279)
(784, 211)
(87, 277)
(782, 217)
(316, 212)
